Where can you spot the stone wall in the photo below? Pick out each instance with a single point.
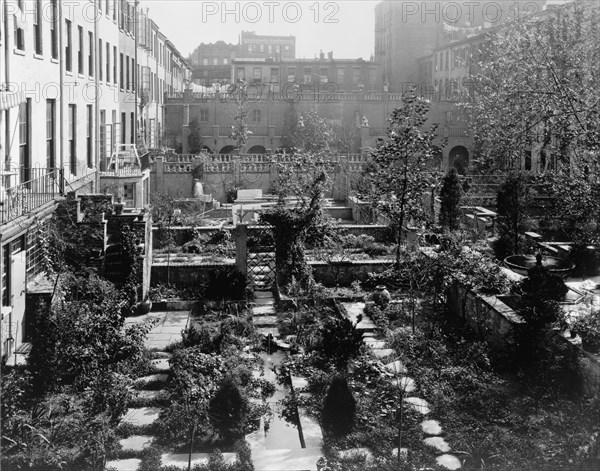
(345, 273)
(187, 275)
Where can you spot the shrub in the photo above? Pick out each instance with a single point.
(450, 195)
(227, 410)
(339, 407)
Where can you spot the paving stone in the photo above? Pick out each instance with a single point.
(263, 294)
(124, 465)
(136, 442)
(161, 355)
(405, 383)
(448, 461)
(263, 310)
(431, 427)
(162, 364)
(301, 459)
(264, 302)
(418, 404)
(155, 378)
(150, 394)
(437, 442)
(180, 460)
(396, 367)
(373, 343)
(384, 352)
(311, 430)
(141, 415)
(264, 320)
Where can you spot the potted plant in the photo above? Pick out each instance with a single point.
(588, 327)
(145, 306)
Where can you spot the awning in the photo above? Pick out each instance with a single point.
(11, 99)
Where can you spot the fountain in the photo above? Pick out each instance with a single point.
(522, 263)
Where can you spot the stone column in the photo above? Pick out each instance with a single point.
(241, 248)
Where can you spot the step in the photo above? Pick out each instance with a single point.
(136, 442)
(418, 405)
(151, 394)
(406, 384)
(431, 427)
(265, 310)
(161, 365)
(130, 464)
(154, 378)
(448, 461)
(438, 443)
(264, 301)
(396, 367)
(382, 353)
(180, 460)
(264, 321)
(141, 415)
(259, 294)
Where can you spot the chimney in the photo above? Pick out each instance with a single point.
(330, 55)
(321, 55)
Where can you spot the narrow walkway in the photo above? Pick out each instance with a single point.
(398, 372)
(270, 452)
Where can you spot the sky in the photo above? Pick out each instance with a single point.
(345, 27)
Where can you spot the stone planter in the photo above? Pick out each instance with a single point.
(144, 307)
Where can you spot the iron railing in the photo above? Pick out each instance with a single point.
(43, 186)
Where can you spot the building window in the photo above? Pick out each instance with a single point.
(73, 138)
(19, 33)
(91, 55)
(240, 73)
(107, 7)
(50, 133)
(205, 61)
(132, 86)
(100, 71)
(115, 9)
(123, 127)
(37, 27)
(291, 74)
(270, 48)
(257, 73)
(277, 48)
(25, 139)
(107, 63)
(115, 65)
(307, 74)
(340, 75)
(90, 132)
(215, 61)
(225, 61)
(275, 74)
(132, 126)
(68, 48)
(127, 72)
(54, 30)
(256, 116)
(262, 48)
(204, 115)
(323, 74)
(356, 76)
(80, 50)
(121, 80)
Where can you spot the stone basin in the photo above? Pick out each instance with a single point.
(522, 263)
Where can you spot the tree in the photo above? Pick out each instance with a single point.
(536, 88)
(512, 204)
(228, 409)
(301, 184)
(195, 143)
(240, 130)
(339, 407)
(402, 165)
(339, 341)
(450, 195)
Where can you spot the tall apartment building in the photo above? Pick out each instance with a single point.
(71, 89)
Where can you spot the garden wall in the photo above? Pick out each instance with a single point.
(183, 234)
(346, 272)
(188, 274)
(486, 315)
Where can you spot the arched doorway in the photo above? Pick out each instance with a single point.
(459, 159)
(205, 150)
(227, 150)
(257, 150)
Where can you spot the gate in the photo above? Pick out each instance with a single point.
(260, 257)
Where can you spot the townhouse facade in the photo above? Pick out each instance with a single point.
(77, 80)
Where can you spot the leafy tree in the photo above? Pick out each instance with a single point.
(402, 170)
(228, 409)
(536, 87)
(513, 201)
(339, 407)
(339, 341)
(450, 195)
(195, 143)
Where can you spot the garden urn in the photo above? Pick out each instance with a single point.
(381, 296)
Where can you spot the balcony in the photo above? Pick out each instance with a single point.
(125, 162)
(42, 186)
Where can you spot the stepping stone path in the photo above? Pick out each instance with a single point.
(167, 331)
(397, 371)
